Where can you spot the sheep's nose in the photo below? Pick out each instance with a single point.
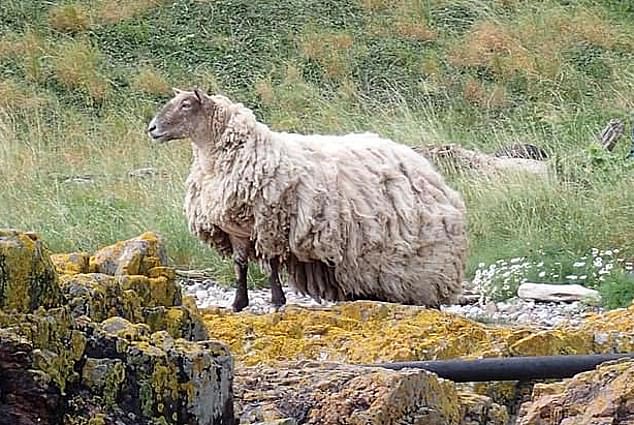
(151, 127)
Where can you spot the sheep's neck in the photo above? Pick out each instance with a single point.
(205, 147)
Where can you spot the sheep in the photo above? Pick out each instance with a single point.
(350, 217)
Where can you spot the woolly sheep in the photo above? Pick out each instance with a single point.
(352, 217)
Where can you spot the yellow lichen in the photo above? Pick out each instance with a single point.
(27, 275)
(366, 332)
(158, 291)
(136, 256)
(72, 263)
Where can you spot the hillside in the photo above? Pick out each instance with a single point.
(79, 80)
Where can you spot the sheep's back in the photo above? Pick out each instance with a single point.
(382, 215)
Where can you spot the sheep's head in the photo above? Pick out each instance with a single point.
(186, 114)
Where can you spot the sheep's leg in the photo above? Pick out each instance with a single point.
(277, 293)
(241, 266)
(241, 299)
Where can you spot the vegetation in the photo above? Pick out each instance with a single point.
(80, 79)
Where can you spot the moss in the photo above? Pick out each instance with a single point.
(27, 275)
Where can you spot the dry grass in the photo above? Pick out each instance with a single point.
(77, 66)
(69, 18)
(493, 45)
(487, 97)
(15, 97)
(113, 11)
(414, 29)
(149, 80)
(329, 49)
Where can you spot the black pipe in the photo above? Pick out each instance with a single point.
(509, 368)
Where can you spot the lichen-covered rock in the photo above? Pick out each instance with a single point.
(116, 369)
(100, 296)
(182, 381)
(156, 301)
(55, 345)
(338, 394)
(476, 409)
(72, 263)
(98, 348)
(25, 392)
(367, 332)
(27, 275)
(602, 396)
(136, 256)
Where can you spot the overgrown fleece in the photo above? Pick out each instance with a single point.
(79, 80)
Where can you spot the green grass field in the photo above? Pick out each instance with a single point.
(79, 80)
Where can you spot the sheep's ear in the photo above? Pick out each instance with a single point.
(201, 95)
(176, 91)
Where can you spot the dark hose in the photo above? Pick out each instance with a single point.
(509, 368)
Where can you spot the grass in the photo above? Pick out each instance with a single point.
(79, 80)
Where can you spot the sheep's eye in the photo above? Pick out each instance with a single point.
(186, 105)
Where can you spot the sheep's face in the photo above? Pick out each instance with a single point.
(185, 115)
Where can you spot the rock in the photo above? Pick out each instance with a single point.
(68, 356)
(27, 275)
(136, 256)
(457, 159)
(73, 263)
(368, 332)
(333, 393)
(602, 396)
(147, 172)
(556, 293)
(522, 150)
(24, 391)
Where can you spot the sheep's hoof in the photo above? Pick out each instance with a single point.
(239, 303)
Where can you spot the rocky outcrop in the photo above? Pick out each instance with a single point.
(334, 393)
(27, 276)
(456, 159)
(601, 396)
(105, 346)
(108, 338)
(369, 332)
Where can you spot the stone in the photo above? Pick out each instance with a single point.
(368, 332)
(69, 354)
(27, 274)
(456, 159)
(602, 396)
(72, 263)
(329, 393)
(136, 256)
(556, 293)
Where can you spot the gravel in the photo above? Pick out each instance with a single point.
(514, 311)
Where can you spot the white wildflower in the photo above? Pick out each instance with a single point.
(542, 274)
(579, 264)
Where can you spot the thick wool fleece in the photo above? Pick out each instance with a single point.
(352, 217)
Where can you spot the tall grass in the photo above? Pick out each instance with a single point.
(79, 81)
